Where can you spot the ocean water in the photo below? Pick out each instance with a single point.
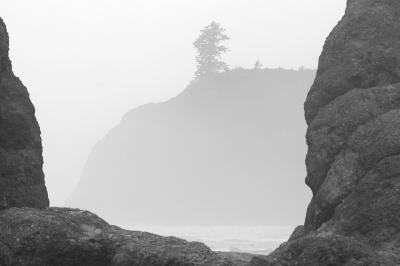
(250, 239)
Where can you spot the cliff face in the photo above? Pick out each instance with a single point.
(353, 160)
(217, 148)
(361, 52)
(21, 175)
(352, 107)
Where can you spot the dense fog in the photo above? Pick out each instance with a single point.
(87, 63)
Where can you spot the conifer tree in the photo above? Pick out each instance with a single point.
(210, 50)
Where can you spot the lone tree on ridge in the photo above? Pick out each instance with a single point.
(210, 50)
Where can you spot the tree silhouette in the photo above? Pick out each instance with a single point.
(210, 50)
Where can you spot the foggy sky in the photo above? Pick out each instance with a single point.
(87, 62)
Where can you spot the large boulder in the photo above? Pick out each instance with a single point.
(21, 175)
(353, 137)
(323, 251)
(58, 236)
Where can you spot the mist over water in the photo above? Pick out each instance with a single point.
(248, 239)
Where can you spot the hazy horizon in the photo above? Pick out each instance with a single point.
(97, 60)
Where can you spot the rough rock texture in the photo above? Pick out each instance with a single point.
(21, 175)
(57, 236)
(353, 160)
(323, 251)
(361, 52)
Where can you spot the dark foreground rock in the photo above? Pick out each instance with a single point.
(353, 160)
(57, 236)
(21, 175)
(324, 251)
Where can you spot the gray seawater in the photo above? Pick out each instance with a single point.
(250, 239)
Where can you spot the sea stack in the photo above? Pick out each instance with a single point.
(353, 137)
(21, 175)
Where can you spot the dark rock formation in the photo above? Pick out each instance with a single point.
(361, 52)
(21, 175)
(353, 161)
(73, 237)
(216, 148)
(323, 251)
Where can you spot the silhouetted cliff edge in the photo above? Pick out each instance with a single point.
(353, 162)
(211, 155)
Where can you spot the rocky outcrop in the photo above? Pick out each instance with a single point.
(21, 175)
(57, 236)
(219, 145)
(361, 52)
(324, 251)
(353, 160)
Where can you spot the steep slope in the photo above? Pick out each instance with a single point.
(21, 175)
(353, 162)
(211, 155)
